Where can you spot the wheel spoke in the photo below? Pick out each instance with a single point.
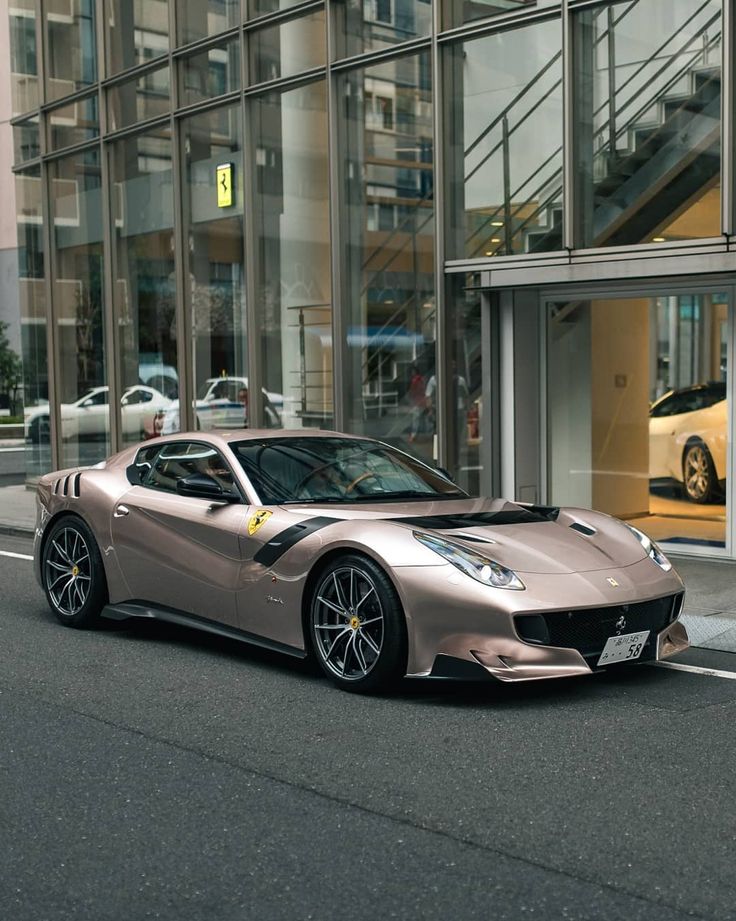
(329, 626)
(333, 607)
(338, 592)
(62, 553)
(58, 566)
(368, 594)
(337, 639)
(369, 640)
(58, 579)
(373, 620)
(352, 588)
(358, 654)
(350, 647)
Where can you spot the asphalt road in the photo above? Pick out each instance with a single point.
(147, 771)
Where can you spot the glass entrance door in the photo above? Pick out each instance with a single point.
(638, 412)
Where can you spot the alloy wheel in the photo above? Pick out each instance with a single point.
(697, 472)
(348, 622)
(67, 571)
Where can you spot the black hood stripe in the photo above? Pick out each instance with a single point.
(285, 540)
(534, 515)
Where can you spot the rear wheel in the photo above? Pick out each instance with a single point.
(699, 473)
(357, 626)
(72, 573)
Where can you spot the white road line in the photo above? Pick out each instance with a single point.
(696, 670)
(15, 556)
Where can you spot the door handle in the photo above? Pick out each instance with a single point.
(121, 511)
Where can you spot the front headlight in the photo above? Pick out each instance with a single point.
(472, 564)
(650, 548)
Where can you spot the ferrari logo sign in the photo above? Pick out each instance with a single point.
(257, 519)
(224, 185)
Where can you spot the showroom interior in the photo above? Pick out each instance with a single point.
(496, 233)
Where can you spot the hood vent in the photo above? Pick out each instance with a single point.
(583, 528)
(475, 538)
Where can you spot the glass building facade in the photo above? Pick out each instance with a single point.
(500, 234)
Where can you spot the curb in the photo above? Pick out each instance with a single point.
(9, 530)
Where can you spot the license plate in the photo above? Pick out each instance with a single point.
(623, 648)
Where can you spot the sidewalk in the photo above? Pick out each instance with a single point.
(710, 602)
(17, 511)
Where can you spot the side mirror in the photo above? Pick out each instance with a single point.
(201, 486)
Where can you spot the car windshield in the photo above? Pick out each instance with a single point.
(314, 470)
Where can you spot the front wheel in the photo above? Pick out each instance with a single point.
(357, 626)
(72, 573)
(699, 473)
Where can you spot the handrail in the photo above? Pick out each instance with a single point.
(602, 129)
(503, 116)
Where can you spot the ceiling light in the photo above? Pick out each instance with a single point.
(496, 223)
(658, 240)
(495, 239)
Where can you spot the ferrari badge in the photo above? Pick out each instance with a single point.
(257, 519)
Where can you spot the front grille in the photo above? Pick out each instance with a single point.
(587, 630)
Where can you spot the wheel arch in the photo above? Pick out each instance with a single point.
(66, 513)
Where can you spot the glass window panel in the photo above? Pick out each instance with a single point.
(72, 124)
(289, 48)
(23, 57)
(216, 294)
(76, 214)
(72, 46)
(506, 111)
(457, 12)
(144, 294)
(138, 32)
(137, 100)
(293, 254)
(375, 24)
(638, 413)
(260, 7)
(211, 73)
(32, 298)
(390, 297)
(648, 86)
(26, 140)
(465, 381)
(200, 18)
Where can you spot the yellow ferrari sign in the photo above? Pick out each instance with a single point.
(257, 519)
(224, 185)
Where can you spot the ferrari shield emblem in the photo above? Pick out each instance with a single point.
(257, 519)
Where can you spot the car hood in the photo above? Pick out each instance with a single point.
(529, 539)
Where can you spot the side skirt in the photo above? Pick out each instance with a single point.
(172, 616)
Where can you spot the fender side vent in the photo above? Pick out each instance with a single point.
(57, 484)
(65, 487)
(583, 528)
(76, 484)
(474, 538)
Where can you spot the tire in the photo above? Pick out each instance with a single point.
(76, 597)
(699, 473)
(357, 626)
(38, 430)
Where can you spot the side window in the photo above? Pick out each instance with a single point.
(183, 458)
(141, 466)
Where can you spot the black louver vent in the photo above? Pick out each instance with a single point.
(69, 486)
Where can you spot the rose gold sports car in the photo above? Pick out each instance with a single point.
(350, 551)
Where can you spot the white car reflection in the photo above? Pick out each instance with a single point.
(222, 403)
(688, 439)
(89, 416)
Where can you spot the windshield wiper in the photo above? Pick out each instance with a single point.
(409, 494)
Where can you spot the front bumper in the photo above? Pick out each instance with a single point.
(459, 631)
